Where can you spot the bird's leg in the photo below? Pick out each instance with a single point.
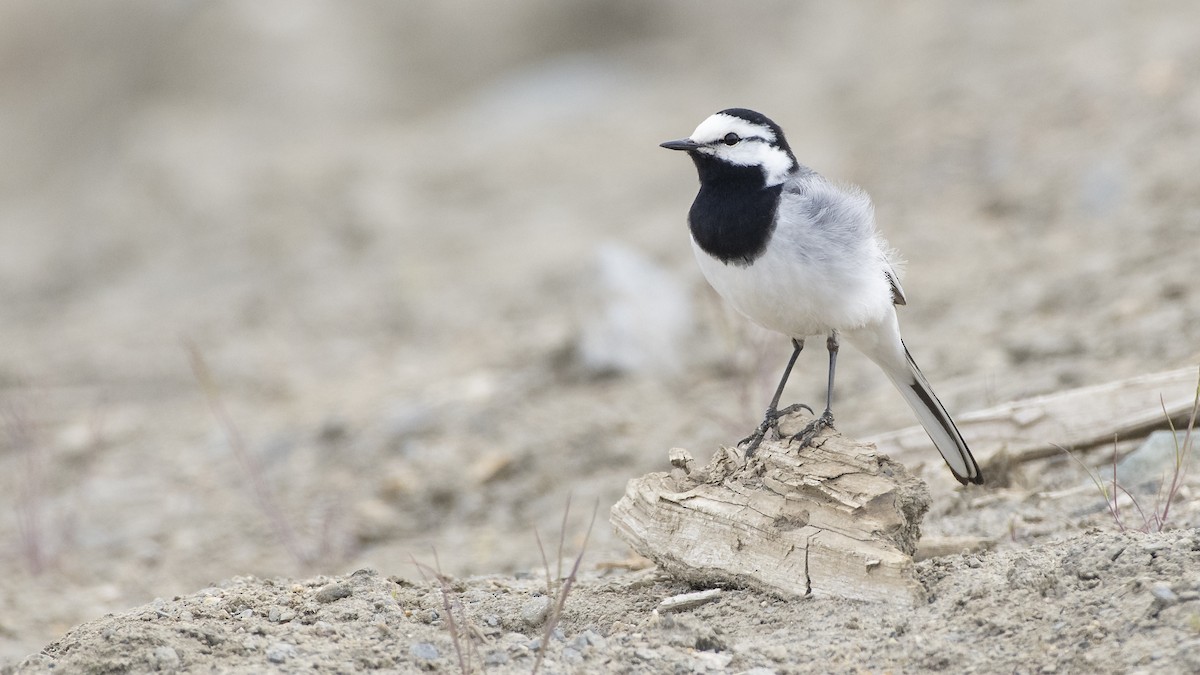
(771, 420)
(831, 343)
(815, 427)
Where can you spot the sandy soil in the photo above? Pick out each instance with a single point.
(1095, 603)
(396, 237)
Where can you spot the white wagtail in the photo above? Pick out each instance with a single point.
(799, 255)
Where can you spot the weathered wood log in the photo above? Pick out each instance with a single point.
(1077, 419)
(836, 518)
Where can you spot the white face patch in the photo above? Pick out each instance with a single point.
(716, 126)
(755, 149)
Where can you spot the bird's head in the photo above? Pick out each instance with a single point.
(738, 137)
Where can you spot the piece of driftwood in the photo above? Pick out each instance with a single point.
(1077, 419)
(686, 601)
(834, 519)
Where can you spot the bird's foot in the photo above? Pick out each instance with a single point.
(814, 428)
(771, 423)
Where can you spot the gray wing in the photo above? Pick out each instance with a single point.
(897, 290)
(843, 213)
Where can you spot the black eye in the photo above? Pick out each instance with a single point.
(731, 138)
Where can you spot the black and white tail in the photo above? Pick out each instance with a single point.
(933, 416)
(882, 343)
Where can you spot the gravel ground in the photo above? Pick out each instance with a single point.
(1099, 602)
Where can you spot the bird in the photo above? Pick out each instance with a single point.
(800, 255)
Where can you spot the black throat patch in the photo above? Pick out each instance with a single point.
(733, 216)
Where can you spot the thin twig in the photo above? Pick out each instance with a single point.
(545, 563)
(562, 535)
(251, 469)
(447, 607)
(1146, 521)
(1109, 502)
(1115, 490)
(1160, 515)
(564, 590)
(30, 493)
(1182, 453)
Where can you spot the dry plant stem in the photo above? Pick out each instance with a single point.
(562, 536)
(1150, 523)
(1115, 507)
(30, 500)
(464, 658)
(1110, 500)
(552, 582)
(564, 588)
(253, 473)
(545, 563)
(448, 604)
(1159, 516)
(1183, 451)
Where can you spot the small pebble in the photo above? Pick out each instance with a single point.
(514, 637)
(535, 610)
(424, 651)
(594, 639)
(495, 658)
(164, 658)
(710, 661)
(280, 652)
(334, 592)
(571, 655)
(1163, 594)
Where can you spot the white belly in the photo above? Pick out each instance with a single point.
(787, 292)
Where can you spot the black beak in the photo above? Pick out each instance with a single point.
(681, 144)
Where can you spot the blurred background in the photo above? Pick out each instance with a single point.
(290, 288)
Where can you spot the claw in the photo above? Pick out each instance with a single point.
(795, 407)
(771, 423)
(755, 439)
(814, 428)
